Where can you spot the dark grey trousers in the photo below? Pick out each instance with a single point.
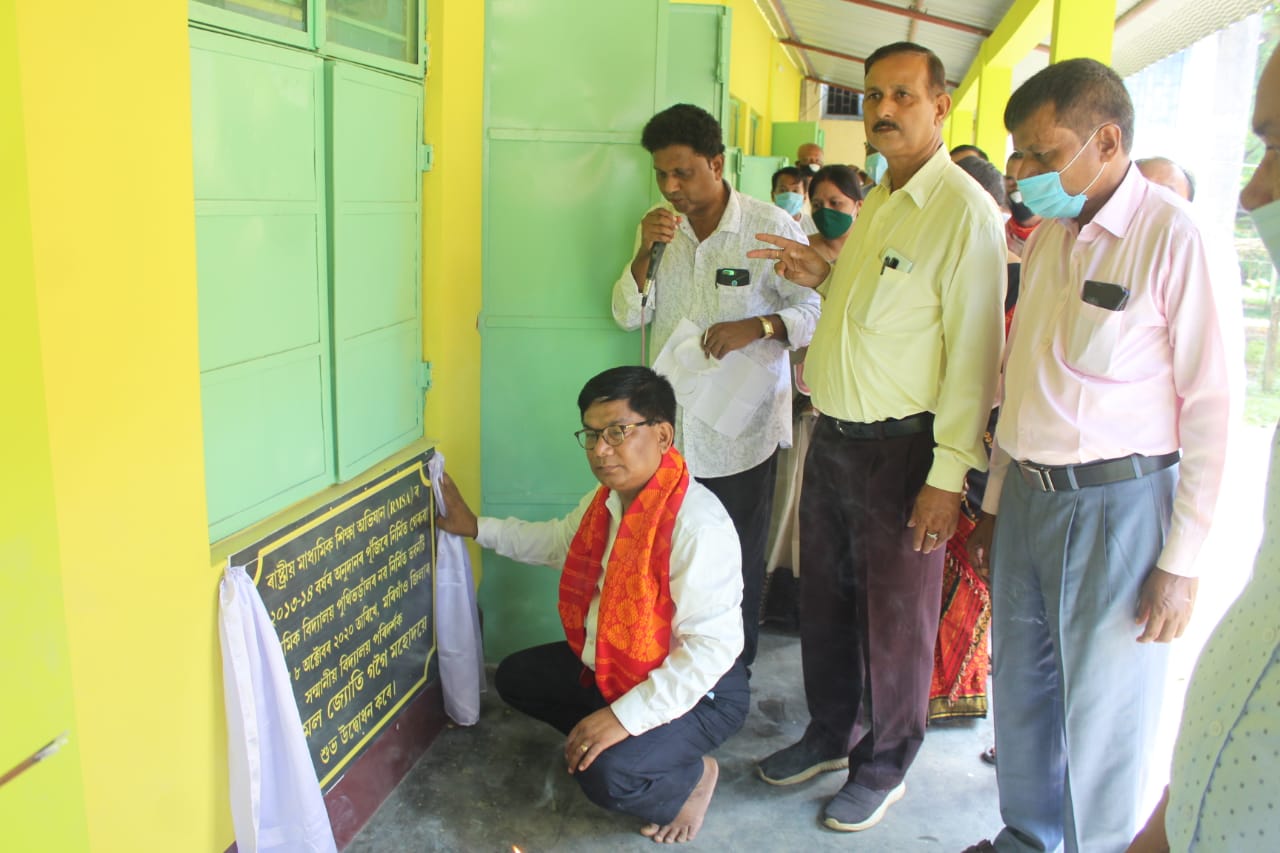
(868, 603)
(648, 775)
(748, 498)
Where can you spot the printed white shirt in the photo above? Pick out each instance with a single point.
(706, 587)
(686, 287)
(1223, 793)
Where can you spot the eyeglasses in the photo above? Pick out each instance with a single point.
(614, 434)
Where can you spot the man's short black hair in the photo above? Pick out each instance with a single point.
(1085, 95)
(960, 149)
(845, 179)
(937, 74)
(786, 172)
(684, 124)
(987, 175)
(647, 393)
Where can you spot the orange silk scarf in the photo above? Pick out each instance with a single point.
(633, 630)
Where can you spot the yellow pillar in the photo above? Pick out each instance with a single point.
(961, 126)
(113, 275)
(451, 221)
(44, 808)
(1082, 28)
(995, 84)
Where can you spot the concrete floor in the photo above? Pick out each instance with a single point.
(502, 783)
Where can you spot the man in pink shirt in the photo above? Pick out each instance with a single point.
(1122, 353)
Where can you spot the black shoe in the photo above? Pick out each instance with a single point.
(799, 762)
(855, 808)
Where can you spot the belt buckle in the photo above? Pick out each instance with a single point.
(1042, 472)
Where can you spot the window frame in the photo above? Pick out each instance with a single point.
(314, 36)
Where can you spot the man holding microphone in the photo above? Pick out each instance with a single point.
(702, 274)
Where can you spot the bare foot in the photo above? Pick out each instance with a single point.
(689, 820)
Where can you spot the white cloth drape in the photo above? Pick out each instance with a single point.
(457, 618)
(276, 804)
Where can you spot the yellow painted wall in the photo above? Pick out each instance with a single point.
(454, 119)
(760, 73)
(43, 809)
(108, 163)
(843, 141)
(112, 520)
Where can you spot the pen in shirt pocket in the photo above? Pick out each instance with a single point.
(893, 260)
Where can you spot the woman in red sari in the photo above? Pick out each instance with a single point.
(961, 661)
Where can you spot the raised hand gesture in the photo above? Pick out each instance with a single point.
(796, 262)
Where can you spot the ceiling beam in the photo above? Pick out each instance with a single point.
(799, 45)
(848, 57)
(924, 17)
(1019, 32)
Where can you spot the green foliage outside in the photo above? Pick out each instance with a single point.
(1258, 277)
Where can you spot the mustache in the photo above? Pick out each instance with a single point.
(884, 125)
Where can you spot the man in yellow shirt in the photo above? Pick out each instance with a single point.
(903, 367)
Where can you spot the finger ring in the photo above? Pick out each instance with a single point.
(932, 535)
(586, 747)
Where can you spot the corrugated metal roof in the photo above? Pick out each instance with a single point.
(832, 37)
(1149, 31)
(837, 35)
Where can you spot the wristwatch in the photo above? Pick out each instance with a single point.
(767, 326)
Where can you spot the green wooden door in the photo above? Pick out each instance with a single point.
(375, 131)
(566, 181)
(698, 57)
(755, 176)
(790, 135)
(258, 144)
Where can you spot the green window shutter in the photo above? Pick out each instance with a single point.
(375, 128)
(258, 144)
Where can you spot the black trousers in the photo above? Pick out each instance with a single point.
(868, 603)
(748, 498)
(648, 775)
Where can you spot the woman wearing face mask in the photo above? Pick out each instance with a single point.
(836, 199)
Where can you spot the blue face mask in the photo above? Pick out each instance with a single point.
(1046, 197)
(877, 166)
(1266, 220)
(792, 203)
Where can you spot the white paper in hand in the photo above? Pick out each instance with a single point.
(723, 394)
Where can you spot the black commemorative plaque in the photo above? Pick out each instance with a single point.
(349, 589)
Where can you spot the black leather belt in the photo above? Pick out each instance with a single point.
(1070, 478)
(891, 428)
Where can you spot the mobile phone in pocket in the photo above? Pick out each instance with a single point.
(1111, 297)
(733, 277)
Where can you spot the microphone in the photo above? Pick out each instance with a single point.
(655, 258)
